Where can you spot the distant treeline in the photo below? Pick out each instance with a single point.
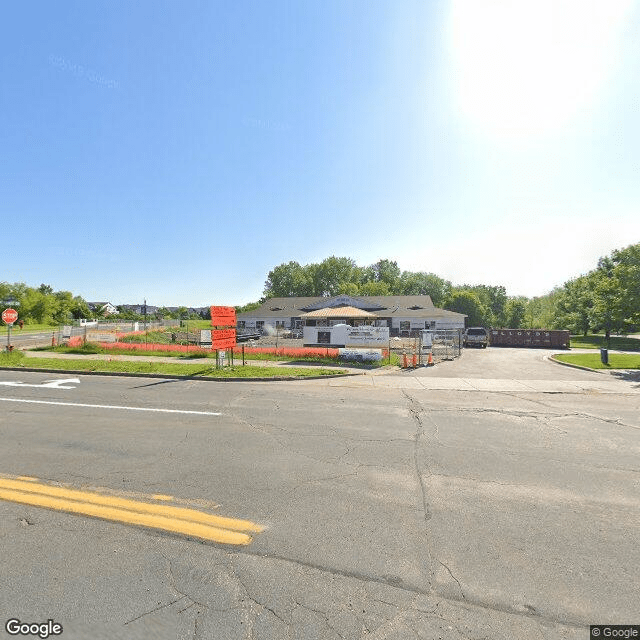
(43, 305)
(605, 299)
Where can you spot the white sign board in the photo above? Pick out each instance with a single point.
(66, 332)
(94, 336)
(205, 336)
(360, 355)
(367, 336)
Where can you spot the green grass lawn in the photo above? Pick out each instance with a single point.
(592, 360)
(598, 341)
(18, 359)
(91, 348)
(195, 324)
(28, 328)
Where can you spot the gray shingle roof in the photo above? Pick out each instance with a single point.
(382, 306)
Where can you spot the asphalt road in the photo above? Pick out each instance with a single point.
(387, 512)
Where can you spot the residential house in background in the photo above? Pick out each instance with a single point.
(104, 308)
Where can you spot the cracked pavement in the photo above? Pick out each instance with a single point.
(390, 513)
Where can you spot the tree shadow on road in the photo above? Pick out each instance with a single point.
(627, 376)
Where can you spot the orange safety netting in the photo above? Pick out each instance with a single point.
(294, 352)
(138, 346)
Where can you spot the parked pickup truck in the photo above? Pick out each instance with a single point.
(476, 337)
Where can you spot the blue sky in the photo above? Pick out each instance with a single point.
(179, 151)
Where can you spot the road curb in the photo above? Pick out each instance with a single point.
(577, 366)
(166, 376)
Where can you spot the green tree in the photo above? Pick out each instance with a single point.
(250, 306)
(514, 312)
(494, 299)
(608, 308)
(374, 289)
(572, 305)
(349, 289)
(540, 313)
(37, 307)
(626, 272)
(80, 308)
(289, 279)
(6, 292)
(63, 305)
(469, 303)
(385, 271)
(333, 272)
(427, 284)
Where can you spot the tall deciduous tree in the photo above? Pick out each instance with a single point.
(514, 312)
(375, 289)
(572, 307)
(469, 303)
(289, 279)
(493, 298)
(427, 284)
(386, 271)
(331, 273)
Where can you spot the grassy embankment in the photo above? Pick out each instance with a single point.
(18, 359)
(592, 360)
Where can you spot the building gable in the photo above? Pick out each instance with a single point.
(343, 301)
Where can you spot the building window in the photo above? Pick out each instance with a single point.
(241, 324)
(280, 323)
(259, 325)
(430, 324)
(324, 337)
(405, 325)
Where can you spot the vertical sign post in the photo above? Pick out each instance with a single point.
(223, 332)
(9, 316)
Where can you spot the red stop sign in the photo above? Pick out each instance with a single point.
(9, 316)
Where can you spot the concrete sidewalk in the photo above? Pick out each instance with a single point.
(604, 385)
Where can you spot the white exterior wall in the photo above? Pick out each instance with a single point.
(419, 323)
(450, 324)
(251, 323)
(415, 323)
(341, 334)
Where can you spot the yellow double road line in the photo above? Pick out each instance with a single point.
(188, 522)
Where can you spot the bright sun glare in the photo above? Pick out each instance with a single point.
(527, 68)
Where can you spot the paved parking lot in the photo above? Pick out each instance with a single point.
(506, 363)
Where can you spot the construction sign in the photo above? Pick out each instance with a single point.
(223, 317)
(224, 335)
